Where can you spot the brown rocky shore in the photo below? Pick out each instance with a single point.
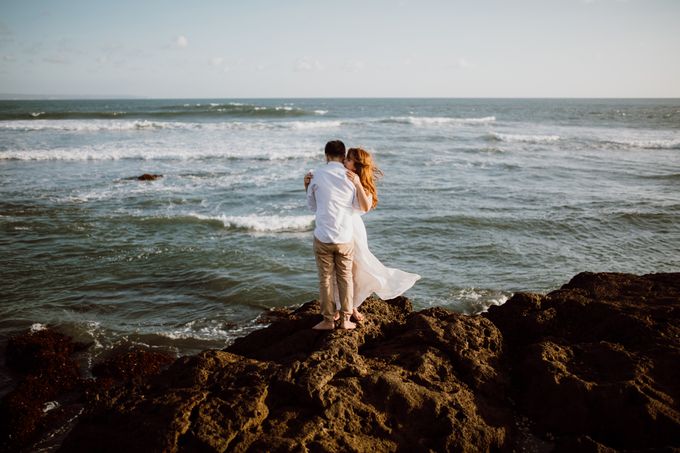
(593, 366)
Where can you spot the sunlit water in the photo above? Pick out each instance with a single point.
(482, 198)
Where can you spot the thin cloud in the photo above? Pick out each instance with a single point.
(460, 64)
(307, 64)
(463, 63)
(181, 42)
(354, 66)
(219, 63)
(56, 60)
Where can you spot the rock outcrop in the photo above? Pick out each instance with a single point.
(594, 366)
(148, 177)
(597, 363)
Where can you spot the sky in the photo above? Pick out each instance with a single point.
(323, 48)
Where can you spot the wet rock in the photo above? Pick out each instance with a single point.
(50, 393)
(46, 371)
(148, 177)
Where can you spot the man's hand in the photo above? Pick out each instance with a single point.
(307, 179)
(354, 178)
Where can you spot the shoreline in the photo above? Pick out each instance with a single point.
(590, 366)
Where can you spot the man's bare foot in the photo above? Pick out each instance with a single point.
(347, 324)
(358, 316)
(324, 325)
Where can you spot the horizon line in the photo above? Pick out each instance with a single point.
(75, 97)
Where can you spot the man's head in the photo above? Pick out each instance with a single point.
(335, 150)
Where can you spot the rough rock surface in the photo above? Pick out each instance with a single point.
(598, 362)
(593, 366)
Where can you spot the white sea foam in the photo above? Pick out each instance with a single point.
(647, 144)
(146, 125)
(210, 330)
(93, 125)
(202, 330)
(439, 120)
(172, 151)
(314, 124)
(472, 300)
(263, 223)
(523, 138)
(37, 327)
(50, 405)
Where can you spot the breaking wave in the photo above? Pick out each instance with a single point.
(438, 120)
(262, 223)
(496, 136)
(146, 125)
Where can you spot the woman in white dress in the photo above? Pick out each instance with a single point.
(369, 274)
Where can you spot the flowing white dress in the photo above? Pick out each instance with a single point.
(369, 274)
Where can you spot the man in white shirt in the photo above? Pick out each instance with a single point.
(332, 197)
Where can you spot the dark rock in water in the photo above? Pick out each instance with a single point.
(43, 360)
(148, 177)
(593, 366)
(51, 393)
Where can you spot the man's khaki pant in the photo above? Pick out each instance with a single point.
(334, 261)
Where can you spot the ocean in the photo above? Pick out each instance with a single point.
(481, 197)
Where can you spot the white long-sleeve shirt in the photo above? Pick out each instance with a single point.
(332, 197)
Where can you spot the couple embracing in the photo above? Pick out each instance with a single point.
(339, 193)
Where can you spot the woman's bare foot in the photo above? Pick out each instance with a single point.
(336, 316)
(346, 323)
(324, 325)
(358, 316)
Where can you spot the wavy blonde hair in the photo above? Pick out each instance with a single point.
(368, 172)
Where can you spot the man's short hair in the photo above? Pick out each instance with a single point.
(335, 148)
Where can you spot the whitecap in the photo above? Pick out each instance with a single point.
(262, 223)
(647, 144)
(523, 138)
(439, 120)
(313, 124)
(92, 125)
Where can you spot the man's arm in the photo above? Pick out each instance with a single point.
(360, 193)
(311, 197)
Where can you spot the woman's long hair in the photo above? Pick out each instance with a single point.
(367, 171)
